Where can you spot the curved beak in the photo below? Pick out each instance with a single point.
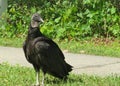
(41, 20)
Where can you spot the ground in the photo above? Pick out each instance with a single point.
(87, 64)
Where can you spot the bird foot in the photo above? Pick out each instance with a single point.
(35, 85)
(38, 85)
(42, 84)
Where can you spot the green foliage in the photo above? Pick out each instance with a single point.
(64, 19)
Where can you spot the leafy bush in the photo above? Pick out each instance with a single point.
(64, 19)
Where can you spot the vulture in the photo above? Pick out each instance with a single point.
(43, 53)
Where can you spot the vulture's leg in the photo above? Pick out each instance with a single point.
(37, 75)
(43, 79)
(37, 79)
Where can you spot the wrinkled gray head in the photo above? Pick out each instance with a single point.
(36, 20)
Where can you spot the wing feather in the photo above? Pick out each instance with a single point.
(50, 55)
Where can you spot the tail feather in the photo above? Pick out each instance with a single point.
(64, 74)
(69, 67)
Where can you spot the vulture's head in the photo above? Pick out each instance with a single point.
(36, 20)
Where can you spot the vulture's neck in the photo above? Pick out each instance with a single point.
(34, 32)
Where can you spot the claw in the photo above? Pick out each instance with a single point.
(35, 85)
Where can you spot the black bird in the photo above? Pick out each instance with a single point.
(43, 53)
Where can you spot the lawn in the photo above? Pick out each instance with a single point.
(24, 76)
(94, 47)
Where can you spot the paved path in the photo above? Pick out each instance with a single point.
(98, 65)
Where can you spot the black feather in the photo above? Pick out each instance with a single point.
(44, 54)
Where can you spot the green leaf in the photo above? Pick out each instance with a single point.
(90, 15)
(86, 1)
(113, 10)
(57, 19)
(80, 15)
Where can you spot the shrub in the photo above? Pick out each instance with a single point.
(64, 19)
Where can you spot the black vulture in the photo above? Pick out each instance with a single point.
(43, 53)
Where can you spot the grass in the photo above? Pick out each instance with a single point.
(89, 47)
(94, 47)
(12, 42)
(24, 76)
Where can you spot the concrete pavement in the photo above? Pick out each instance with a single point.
(87, 64)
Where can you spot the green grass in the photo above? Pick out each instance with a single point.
(88, 47)
(24, 76)
(111, 49)
(12, 42)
